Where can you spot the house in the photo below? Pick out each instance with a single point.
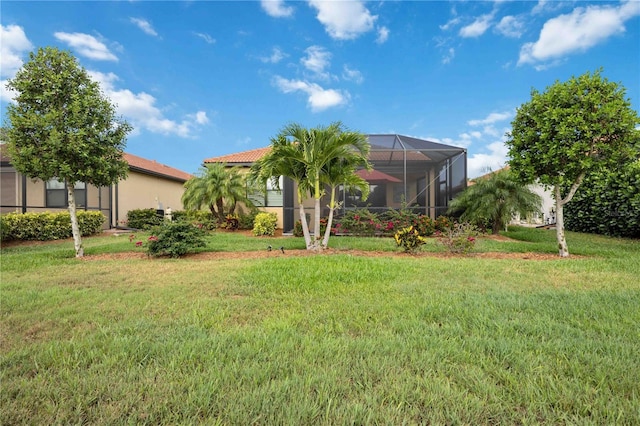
(407, 171)
(149, 184)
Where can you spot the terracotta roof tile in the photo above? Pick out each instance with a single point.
(154, 167)
(135, 162)
(241, 157)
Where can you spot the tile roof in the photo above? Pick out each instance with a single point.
(245, 157)
(137, 164)
(151, 166)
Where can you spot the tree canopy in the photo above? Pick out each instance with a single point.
(61, 126)
(570, 130)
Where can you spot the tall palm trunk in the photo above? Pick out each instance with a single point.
(332, 208)
(305, 225)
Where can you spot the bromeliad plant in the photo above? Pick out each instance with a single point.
(409, 239)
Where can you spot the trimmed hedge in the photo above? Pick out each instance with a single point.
(607, 203)
(143, 219)
(48, 226)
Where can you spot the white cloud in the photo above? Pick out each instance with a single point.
(352, 75)
(494, 159)
(144, 25)
(510, 26)
(318, 99)
(13, 45)
(451, 53)
(494, 117)
(477, 27)
(276, 56)
(383, 35)
(344, 20)
(87, 46)
(141, 110)
(276, 8)
(578, 31)
(317, 60)
(544, 6)
(206, 37)
(200, 117)
(451, 23)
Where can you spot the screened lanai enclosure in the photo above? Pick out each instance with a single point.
(419, 174)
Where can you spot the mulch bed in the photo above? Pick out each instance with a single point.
(238, 255)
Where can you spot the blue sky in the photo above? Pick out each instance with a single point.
(198, 79)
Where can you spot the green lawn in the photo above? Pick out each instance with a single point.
(338, 339)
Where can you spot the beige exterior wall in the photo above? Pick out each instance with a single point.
(142, 191)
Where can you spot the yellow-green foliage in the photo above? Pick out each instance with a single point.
(410, 239)
(47, 225)
(265, 224)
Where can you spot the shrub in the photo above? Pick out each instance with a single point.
(175, 239)
(205, 219)
(410, 239)
(246, 220)
(424, 225)
(143, 219)
(265, 224)
(48, 226)
(459, 238)
(359, 222)
(443, 224)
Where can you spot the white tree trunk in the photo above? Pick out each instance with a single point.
(75, 229)
(563, 249)
(332, 207)
(305, 226)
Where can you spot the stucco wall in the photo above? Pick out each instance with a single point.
(142, 191)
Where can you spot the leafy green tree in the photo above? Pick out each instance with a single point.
(569, 131)
(304, 155)
(61, 126)
(218, 187)
(495, 199)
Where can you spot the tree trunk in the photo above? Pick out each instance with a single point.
(305, 226)
(75, 228)
(563, 249)
(220, 206)
(317, 238)
(332, 207)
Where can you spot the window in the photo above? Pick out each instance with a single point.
(56, 194)
(272, 197)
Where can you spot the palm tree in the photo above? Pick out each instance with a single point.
(342, 171)
(495, 199)
(215, 186)
(304, 155)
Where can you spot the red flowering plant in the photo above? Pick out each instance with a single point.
(459, 238)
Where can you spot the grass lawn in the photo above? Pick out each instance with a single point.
(340, 339)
